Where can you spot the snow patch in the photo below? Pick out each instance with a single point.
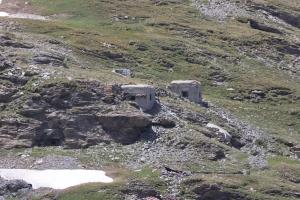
(27, 16)
(23, 16)
(55, 179)
(4, 14)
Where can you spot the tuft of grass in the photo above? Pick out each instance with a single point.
(91, 192)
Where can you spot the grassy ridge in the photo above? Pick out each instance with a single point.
(92, 23)
(174, 34)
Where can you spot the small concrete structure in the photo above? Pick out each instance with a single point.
(143, 95)
(297, 151)
(190, 89)
(123, 72)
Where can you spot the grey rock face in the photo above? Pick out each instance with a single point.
(124, 127)
(5, 63)
(71, 114)
(13, 186)
(8, 41)
(256, 25)
(49, 59)
(164, 122)
(6, 92)
(17, 132)
(290, 18)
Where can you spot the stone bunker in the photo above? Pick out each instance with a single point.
(190, 89)
(297, 151)
(143, 95)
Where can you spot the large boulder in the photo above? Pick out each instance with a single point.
(125, 128)
(8, 187)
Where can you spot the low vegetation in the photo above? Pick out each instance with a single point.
(243, 71)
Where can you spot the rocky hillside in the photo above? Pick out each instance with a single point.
(62, 107)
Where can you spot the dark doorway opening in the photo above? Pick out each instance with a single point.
(132, 98)
(184, 94)
(54, 142)
(129, 97)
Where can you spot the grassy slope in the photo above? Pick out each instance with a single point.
(91, 24)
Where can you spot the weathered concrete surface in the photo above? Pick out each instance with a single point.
(189, 89)
(144, 95)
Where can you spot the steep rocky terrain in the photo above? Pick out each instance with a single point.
(62, 107)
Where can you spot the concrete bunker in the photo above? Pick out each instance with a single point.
(190, 89)
(143, 95)
(297, 151)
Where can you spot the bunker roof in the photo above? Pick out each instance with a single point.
(185, 82)
(137, 86)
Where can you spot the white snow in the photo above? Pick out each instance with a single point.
(27, 16)
(4, 14)
(55, 179)
(23, 16)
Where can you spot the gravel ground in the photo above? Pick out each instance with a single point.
(25, 161)
(219, 9)
(250, 135)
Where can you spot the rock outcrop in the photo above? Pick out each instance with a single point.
(13, 188)
(259, 26)
(125, 128)
(71, 114)
(17, 132)
(8, 41)
(49, 59)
